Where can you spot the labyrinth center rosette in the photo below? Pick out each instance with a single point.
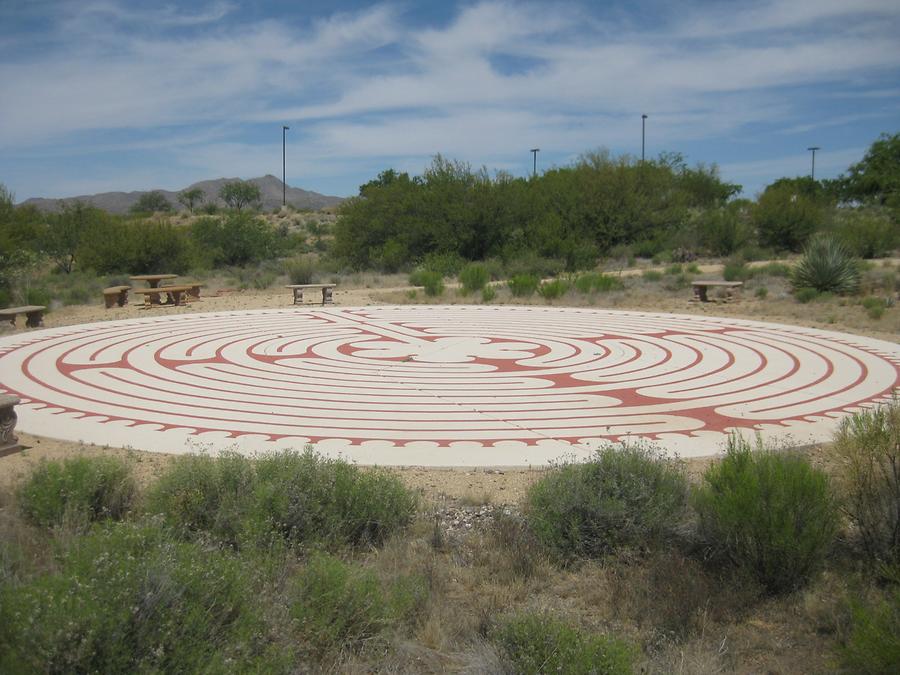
(439, 385)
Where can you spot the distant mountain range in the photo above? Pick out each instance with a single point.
(269, 187)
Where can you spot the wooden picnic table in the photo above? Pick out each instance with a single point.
(152, 279)
(702, 286)
(175, 294)
(327, 290)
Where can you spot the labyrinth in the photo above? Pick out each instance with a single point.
(440, 385)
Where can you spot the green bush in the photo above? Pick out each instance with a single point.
(550, 290)
(873, 645)
(786, 217)
(302, 498)
(199, 493)
(623, 496)
(867, 452)
(762, 292)
(77, 491)
(488, 293)
(772, 269)
(308, 498)
(38, 296)
(867, 233)
(523, 285)
(652, 275)
(535, 644)
(473, 277)
(128, 599)
(235, 239)
(826, 265)
(338, 606)
(736, 270)
(805, 295)
(674, 269)
(598, 282)
(300, 270)
(432, 281)
(768, 512)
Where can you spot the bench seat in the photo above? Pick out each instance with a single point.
(116, 295)
(34, 315)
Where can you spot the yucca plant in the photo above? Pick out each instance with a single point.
(826, 266)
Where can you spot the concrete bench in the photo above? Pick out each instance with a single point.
(116, 295)
(9, 443)
(327, 290)
(34, 315)
(701, 289)
(194, 289)
(175, 295)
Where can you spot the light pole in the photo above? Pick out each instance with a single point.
(283, 172)
(643, 135)
(813, 150)
(534, 152)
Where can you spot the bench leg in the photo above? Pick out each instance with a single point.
(123, 298)
(110, 300)
(298, 296)
(9, 442)
(700, 293)
(327, 299)
(34, 319)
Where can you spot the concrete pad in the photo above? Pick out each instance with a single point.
(440, 385)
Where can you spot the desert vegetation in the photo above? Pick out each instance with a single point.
(623, 563)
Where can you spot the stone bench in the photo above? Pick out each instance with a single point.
(116, 295)
(327, 290)
(34, 315)
(9, 443)
(701, 289)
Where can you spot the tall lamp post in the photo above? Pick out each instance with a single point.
(643, 135)
(283, 170)
(813, 171)
(534, 152)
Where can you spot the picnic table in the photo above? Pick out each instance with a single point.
(34, 315)
(701, 288)
(152, 279)
(327, 290)
(175, 294)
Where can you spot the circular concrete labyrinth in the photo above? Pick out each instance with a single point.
(448, 386)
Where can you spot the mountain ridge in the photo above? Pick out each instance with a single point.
(270, 188)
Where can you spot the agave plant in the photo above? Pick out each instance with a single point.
(826, 266)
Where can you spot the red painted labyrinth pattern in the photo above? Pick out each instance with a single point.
(439, 385)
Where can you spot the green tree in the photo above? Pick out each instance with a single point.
(237, 239)
(876, 179)
(786, 216)
(64, 231)
(152, 202)
(191, 198)
(239, 194)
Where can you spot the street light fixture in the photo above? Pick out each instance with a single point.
(643, 135)
(813, 150)
(283, 173)
(534, 152)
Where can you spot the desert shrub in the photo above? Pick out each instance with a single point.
(761, 292)
(771, 513)
(199, 493)
(488, 293)
(523, 285)
(300, 270)
(674, 269)
(38, 295)
(77, 491)
(432, 281)
(339, 606)
(867, 233)
(722, 231)
(786, 217)
(235, 239)
(538, 643)
(624, 496)
(534, 265)
(309, 498)
(597, 282)
(772, 269)
(652, 275)
(474, 277)
(127, 598)
(683, 255)
(867, 449)
(873, 645)
(826, 265)
(677, 283)
(447, 264)
(298, 497)
(736, 270)
(550, 290)
(874, 306)
(805, 295)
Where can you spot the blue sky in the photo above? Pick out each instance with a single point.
(102, 95)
